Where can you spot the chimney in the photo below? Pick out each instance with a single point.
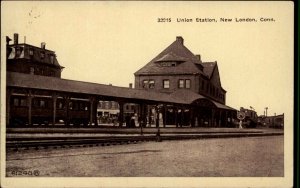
(43, 45)
(130, 85)
(179, 39)
(198, 56)
(16, 38)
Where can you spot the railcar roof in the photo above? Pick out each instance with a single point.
(184, 97)
(64, 85)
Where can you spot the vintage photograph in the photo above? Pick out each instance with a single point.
(147, 94)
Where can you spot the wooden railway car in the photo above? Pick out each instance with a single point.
(75, 113)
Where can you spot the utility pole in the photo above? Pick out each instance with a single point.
(266, 111)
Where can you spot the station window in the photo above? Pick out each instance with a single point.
(145, 83)
(106, 105)
(166, 84)
(181, 83)
(100, 105)
(148, 84)
(188, 83)
(151, 84)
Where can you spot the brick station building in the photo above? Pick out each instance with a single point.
(180, 73)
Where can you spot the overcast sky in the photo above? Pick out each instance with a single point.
(106, 42)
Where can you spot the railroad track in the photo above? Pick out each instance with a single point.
(44, 143)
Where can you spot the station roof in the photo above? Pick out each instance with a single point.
(189, 64)
(209, 68)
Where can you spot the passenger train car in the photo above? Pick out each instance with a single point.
(76, 112)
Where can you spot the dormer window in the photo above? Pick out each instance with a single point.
(42, 55)
(51, 59)
(31, 52)
(168, 64)
(18, 52)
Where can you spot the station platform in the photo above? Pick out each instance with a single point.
(113, 132)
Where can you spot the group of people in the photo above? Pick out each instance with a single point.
(130, 121)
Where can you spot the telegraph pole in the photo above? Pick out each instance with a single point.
(266, 111)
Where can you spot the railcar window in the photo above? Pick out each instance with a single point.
(23, 102)
(75, 106)
(16, 102)
(71, 105)
(42, 103)
(60, 105)
(85, 106)
(80, 106)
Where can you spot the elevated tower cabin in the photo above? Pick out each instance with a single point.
(28, 59)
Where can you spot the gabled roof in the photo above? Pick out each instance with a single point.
(208, 68)
(171, 57)
(176, 51)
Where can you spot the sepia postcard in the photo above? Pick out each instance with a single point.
(147, 93)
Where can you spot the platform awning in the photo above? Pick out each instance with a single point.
(222, 106)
